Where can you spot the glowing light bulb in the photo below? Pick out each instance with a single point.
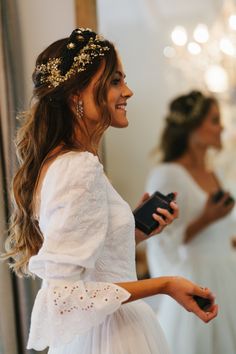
(194, 48)
(201, 33)
(216, 79)
(232, 22)
(179, 36)
(227, 47)
(169, 52)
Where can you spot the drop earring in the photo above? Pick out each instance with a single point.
(79, 109)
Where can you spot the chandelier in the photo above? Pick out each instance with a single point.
(207, 56)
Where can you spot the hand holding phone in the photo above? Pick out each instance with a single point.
(143, 214)
(216, 197)
(203, 303)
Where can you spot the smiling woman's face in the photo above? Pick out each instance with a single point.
(209, 132)
(117, 96)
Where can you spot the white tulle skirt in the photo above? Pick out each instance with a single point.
(185, 333)
(132, 329)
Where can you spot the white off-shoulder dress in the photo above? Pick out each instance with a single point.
(88, 246)
(209, 260)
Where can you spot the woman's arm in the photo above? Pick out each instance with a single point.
(212, 212)
(195, 227)
(180, 289)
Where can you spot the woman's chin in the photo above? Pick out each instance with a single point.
(120, 124)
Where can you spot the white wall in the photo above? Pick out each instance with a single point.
(41, 23)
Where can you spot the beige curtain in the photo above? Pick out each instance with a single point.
(16, 295)
(8, 343)
(8, 339)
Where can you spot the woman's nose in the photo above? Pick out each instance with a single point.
(127, 92)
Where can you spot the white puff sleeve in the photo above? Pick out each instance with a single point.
(74, 222)
(164, 250)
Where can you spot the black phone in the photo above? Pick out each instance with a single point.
(143, 214)
(202, 302)
(216, 197)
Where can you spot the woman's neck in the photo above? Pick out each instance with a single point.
(86, 139)
(194, 158)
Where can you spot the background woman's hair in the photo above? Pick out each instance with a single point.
(49, 123)
(185, 114)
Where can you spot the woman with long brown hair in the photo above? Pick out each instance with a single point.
(199, 244)
(69, 226)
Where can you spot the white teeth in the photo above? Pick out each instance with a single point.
(121, 106)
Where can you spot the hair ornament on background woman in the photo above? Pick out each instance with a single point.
(82, 48)
(193, 111)
(177, 118)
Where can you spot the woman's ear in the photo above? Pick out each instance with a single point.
(74, 99)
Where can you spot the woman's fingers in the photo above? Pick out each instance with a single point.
(168, 217)
(206, 293)
(143, 199)
(175, 208)
(211, 311)
(205, 316)
(159, 219)
(164, 217)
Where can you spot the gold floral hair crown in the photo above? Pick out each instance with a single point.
(180, 118)
(82, 48)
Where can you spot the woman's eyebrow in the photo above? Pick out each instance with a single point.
(120, 74)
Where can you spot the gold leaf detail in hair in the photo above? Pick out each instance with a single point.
(181, 118)
(71, 45)
(50, 71)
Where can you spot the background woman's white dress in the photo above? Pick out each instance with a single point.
(88, 246)
(208, 260)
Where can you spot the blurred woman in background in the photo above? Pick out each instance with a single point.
(199, 244)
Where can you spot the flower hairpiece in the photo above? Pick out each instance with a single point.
(51, 73)
(180, 118)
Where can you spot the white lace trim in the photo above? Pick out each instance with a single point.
(64, 310)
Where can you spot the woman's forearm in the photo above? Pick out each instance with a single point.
(194, 228)
(148, 287)
(139, 236)
(180, 289)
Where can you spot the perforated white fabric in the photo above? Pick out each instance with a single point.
(87, 248)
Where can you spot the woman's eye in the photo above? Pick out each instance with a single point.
(215, 120)
(115, 81)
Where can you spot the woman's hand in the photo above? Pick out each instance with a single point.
(214, 211)
(183, 290)
(211, 212)
(163, 222)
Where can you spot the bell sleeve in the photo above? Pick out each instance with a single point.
(74, 218)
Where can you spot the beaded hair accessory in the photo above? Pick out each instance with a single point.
(180, 118)
(82, 48)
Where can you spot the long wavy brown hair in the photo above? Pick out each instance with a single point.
(49, 123)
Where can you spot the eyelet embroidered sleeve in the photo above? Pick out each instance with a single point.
(74, 222)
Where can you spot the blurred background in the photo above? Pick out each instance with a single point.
(167, 48)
